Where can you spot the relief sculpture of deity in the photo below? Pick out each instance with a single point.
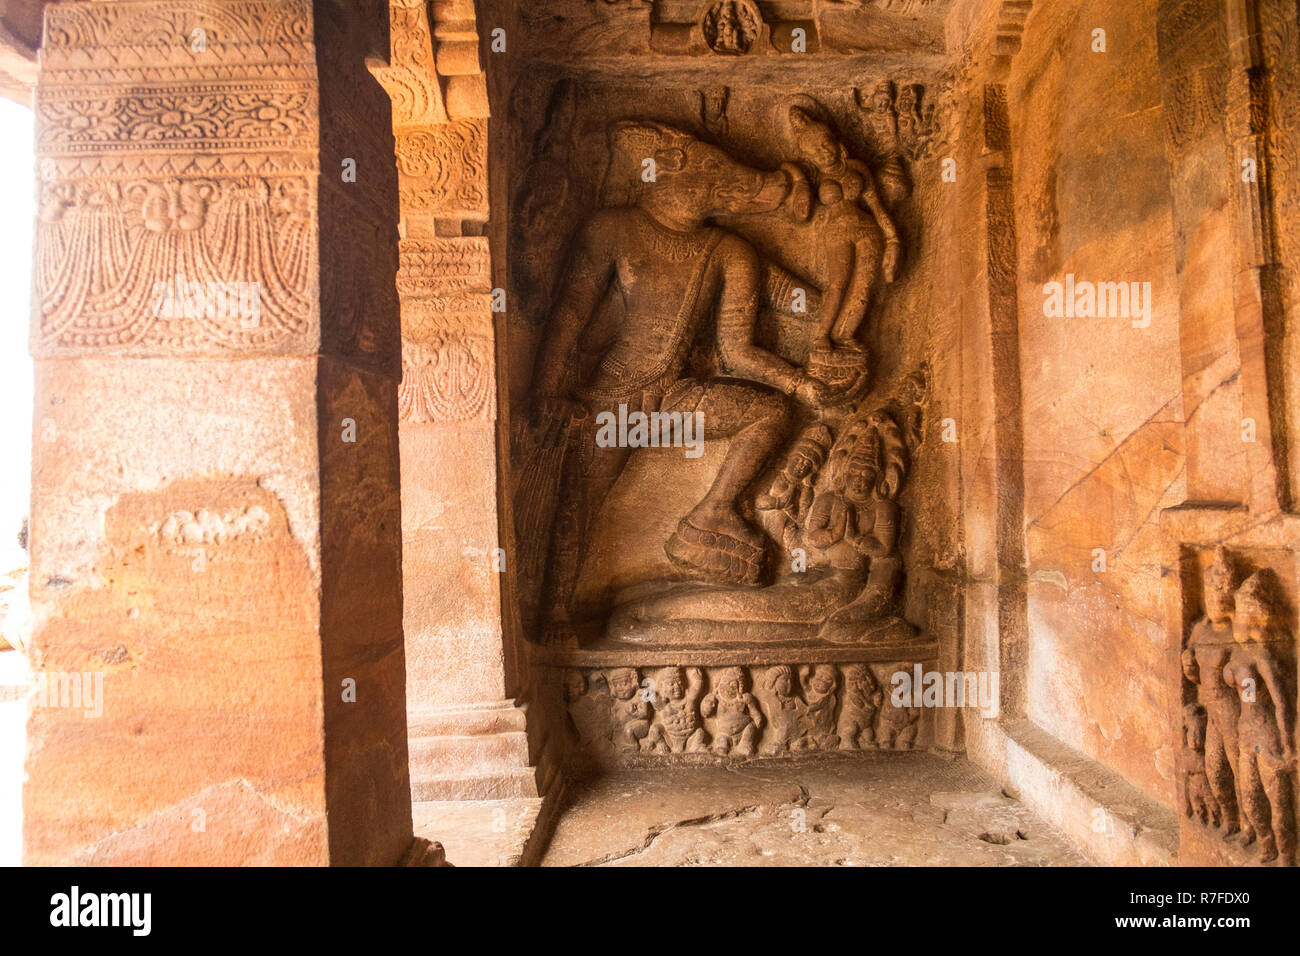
(657, 312)
(670, 271)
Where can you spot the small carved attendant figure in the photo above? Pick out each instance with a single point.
(857, 513)
(860, 239)
(862, 697)
(897, 726)
(784, 509)
(909, 112)
(588, 709)
(785, 709)
(1266, 754)
(631, 713)
(739, 718)
(881, 118)
(1208, 647)
(913, 130)
(819, 715)
(886, 130)
(676, 726)
(730, 27)
(1198, 800)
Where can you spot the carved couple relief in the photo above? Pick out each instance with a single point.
(1238, 757)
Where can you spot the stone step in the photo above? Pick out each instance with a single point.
(506, 785)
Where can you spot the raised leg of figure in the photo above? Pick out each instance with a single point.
(714, 542)
(635, 732)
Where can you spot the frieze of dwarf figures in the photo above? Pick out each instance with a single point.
(737, 711)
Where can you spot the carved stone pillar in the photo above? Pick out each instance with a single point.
(1004, 352)
(215, 517)
(468, 737)
(992, 443)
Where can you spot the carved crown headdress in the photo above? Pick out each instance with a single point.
(1220, 575)
(1254, 598)
(878, 436)
(815, 441)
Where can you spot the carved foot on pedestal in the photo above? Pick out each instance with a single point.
(723, 552)
(849, 630)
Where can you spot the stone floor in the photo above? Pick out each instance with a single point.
(479, 832)
(828, 810)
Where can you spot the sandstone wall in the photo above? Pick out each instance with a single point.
(1102, 404)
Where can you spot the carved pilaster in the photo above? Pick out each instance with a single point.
(467, 738)
(448, 366)
(440, 126)
(1004, 318)
(1236, 742)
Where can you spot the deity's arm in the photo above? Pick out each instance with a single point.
(585, 279)
(871, 199)
(827, 521)
(755, 712)
(774, 497)
(1281, 712)
(737, 317)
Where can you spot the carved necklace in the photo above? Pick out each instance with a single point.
(672, 244)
